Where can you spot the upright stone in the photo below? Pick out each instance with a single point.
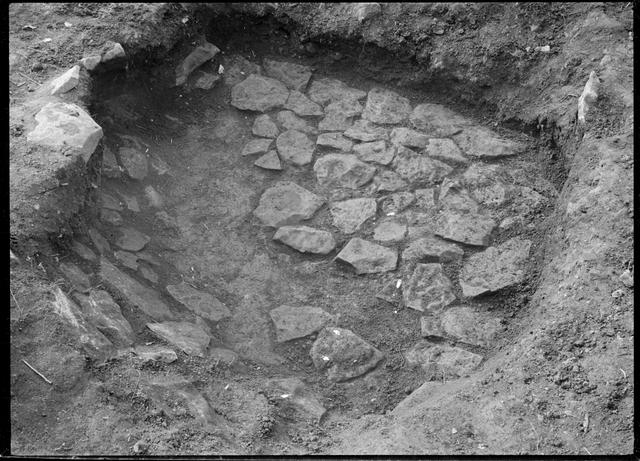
(342, 170)
(286, 203)
(196, 58)
(428, 289)
(203, 304)
(349, 215)
(295, 147)
(368, 258)
(386, 107)
(294, 76)
(294, 322)
(259, 94)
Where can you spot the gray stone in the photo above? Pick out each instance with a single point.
(432, 247)
(188, 337)
(303, 106)
(61, 126)
(286, 203)
(203, 304)
(290, 121)
(425, 198)
(343, 354)
(99, 241)
(206, 81)
(428, 289)
(265, 127)
(176, 397)
(453, 197)
(104, 313)
(128, 260)
(259, 94)
(481, 142)
(223, 356)
(294, 322)
(464, 324)
(295, 147)
(391, 292)
(83, 251)
(376, 151)
(388, 181)
(472, 229)
(195, 59)
(76, 276)
(335, 141)
(294, 76)
(418, 168)
(132, 240)
(110, 167)
(326, 90)
(339, 114)
(444, 149)
(396, 202)
(368, 258)
(495, 268)
(294, 393)
(306, 239)
(66, 82)
(407, 137)
(154, 198)
(365, 131)
(148, 273)
(349, 215)
(386, 107)
(269, 161)
(160, 166)
(525, 200)
(390, 231)
(257, 146)
(364, 11)
(167, 223)
(342, 170)
(438, 121)
(155, 353)
(110, 202)
(139, 296)
(113, 53)
(90, 62)
(110, 217)
(236, 69)
(134, 162)
(441, 361)
(627, 278)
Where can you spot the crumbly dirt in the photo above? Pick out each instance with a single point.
(559, 381)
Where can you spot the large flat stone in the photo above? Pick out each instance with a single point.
(67, 81)
(438, 121)
(269, 161)
(326, 90)
(294, 322)
(417, 168)
(61, 125)
(195, 59)
(472, 229)
(131, 239)
(104, 313)
(342, 170)
(259, 94)
(386, 107)
(286, 203)
(444, 149)
(495, 268)
(432, 247)
(290, 121)
(463, 323)
(407, 137)
(428, 289)
(368, 258)
(338, 116)
(294, 76)
(306, 239)
(135, 163)
(481, 142)
(188, 337)
(257, 146)
(390, 231)
(388, 181)
(203, 304)
(349, 215)
(365, 131)
(442, 361)
(343, 354)
(303, 106)
(376, 152)
(295, 147)
(454, 197)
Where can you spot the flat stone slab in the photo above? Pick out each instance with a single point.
(306, 239)
(303, 106)
(418, 168)
(432, 247)
(386, 107)
(483, 143)
(442, 361)
(335, 141)
(203, 304)
(236, 69)
(155, 353)
(132, 240)
(290, 121)
(286, 203)
(104, 313)
(390, 231)
(437, 120)
(472, 229)
(365, 131)
(368, 258)
(464, 324)
(428, 289)
(67, 81)
(257, 146)
(258, 93)
(349, 215)
(342, 170)
(453, 197)
(127, 259)
(338, 116)
(294, 76)
(376, 152)
(294, 322)
(343, 354)
(61, 125)
(295, 147)
(407, 137)
(269, 161)
(135, 163)
(265, 127)
(395, 203)
(188, 337)
(195, 59)
(444, 149)
(388, 181)
(495, 268)
(136, 294)
(76, 276)
(326, 90)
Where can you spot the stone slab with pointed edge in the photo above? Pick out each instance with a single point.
(306, 239)
(290, 121)
(366, 131)
(432, 247)
(335, 141)
(342, 170)
(294, 76)
(286, 203)
(186, 336)
(437, 120)
(294, 322)
(349, 215)
(472, 229)
(257, 146)
(338, 115)
(376, 152)
(67, 81)
(269, 161)
(428, 289)
(478, 141)
(265, 127)
(368, 258)
(444, 149)
(302, 106)
(195, 59)
(295, 147)
(386, 107)
(418, 168)
(407, 137)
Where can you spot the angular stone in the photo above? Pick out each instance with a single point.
(110, 202)
(444, 149)
(495, 268)
(386, 107)
(432, 247)
(128, 260)
(155, 353)
(104, 313)
(306, 239)
(76, 276)
(441, 361)
(293, 392)
(290, 121)
(83, 251)
(428, 289)
(203, 304)
(453, 197)
(343, 354)
(223, 356)
(113, 53)
(376, 152)
(195, 59)
(90, 62)
(259, 94)
(148, 274)
(160, 166)
(206, 81)
(339, 114)
(303, 106)
(349, 215)
(425, 198)
(368, 258)
(438, 121)
(407, 137)
(61, 125)
(110, 217)
(365, 131)
(391, 292)
(364, 11)
(132, 240)
(295, 147)
(294, 322)
(154, 198)
(176, 397)
(188, 337)
(326, 90)
(265, 127)
(418, 168)
(67, 81)
(134, 162)
(388, 181)
(269, 161)
(256, 146)
(236, 69)
(465, 324)
(390, 231)
(294, 76)
(99, 241)
(481, 142)
(110, 167)
(139, 296)
(342, 170)
(286, 203)
(472, 229)
(334, 140)
(397, 202)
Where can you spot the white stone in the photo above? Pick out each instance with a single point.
(66, 81)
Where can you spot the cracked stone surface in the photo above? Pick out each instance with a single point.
(258, 93)
(368, 258)
(349, 215)
(428, 289)
(199, 302)
(295, 147)
(286, 203)
(306, 239)
(386, 107)
(342, 170)
(292, 322)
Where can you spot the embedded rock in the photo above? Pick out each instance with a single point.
(155, 353)
(196, 58)
(472, 229)
(110, 167)
(128, 260)
(134, 162)
(390, 231)
(376, 152)
(342, 170)
(306, 239)
(335, 141)
(101, 243)
(444, 149)
(481, 142)
(206, 81)
(418, 168)
(365, 131)
(256, 146)
(294, 322)
(368, 258)
(67, 81)
(104, 313)
(326, 90)
(407, 137)
(441, 361)
(269, 161)
(463, 323)
(425, 198)
(388, 181)
(265, 127)
(303, 106)
(339, 114)
(432, 247)
(294, 76)
(428, 289)
(437, 120)
(294, 393)
(290, 121)
(364, 11)
(386, 107)
(349, 215)
(110, 217)
(295, 147)
(286, 203)
(188, 337)
(259, 94)
(132, 240)
(397, 202)
(76, 276)
(203, 304)
(83, 251)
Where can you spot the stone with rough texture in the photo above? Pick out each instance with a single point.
(478, 141)
(335, 141)
(90, 62)
(306, 239)
(472, 229)
(83, 251)
(388, 181)
(338, 115)
(437, 120)
(444, 149)
(376, 151)
(104, 313)
(199, 302)
(365, 131)
(290, 121)
(349, 215)
(237, 68)
(364, 11)
(368, 258)
(343, 354)
(110, 217)
(432, 247)
(294, 392)
(342, 170)
(101, 243)
(134, 162)
(153, 197)
(419, 168)
(295, 147)
(61, 125)
(390, 231)
(110, 202)
(286, 203)
(110, 167)
(269, 161)
(188, 337)
(453, 197)
(397, 202)
(256, 146)
(128, 260)
(259, 94)
(441, 361)
(223, 356)
(428, 289)
(326, 90)
(407, 137)
(132, 239)
(76, 276)
(463, 323)
(155, 353)
(67, 81)
(114, 53)
(391, 292)
(136, 294)
(206, 81)
(294, 322)
(495, 268)
(265, 127)
(386, 107)
(148, 274)
(303, 106)
(195, 59)
(294, 76)
(425, 198)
